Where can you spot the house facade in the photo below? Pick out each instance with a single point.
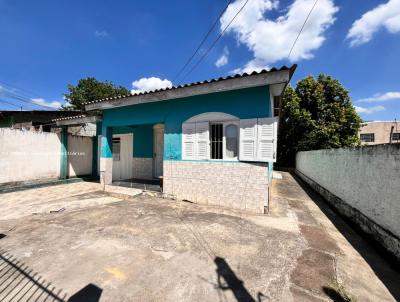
(211, 142)
(377, 132)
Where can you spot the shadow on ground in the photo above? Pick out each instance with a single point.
(20, 283)
(227, 280)
(371, 253)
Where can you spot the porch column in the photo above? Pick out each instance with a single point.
(64, 153)
(95, 169)
(106, 160)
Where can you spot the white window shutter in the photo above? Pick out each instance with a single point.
(266, 139)
(188, 141)
(203, 140)
(248, 140)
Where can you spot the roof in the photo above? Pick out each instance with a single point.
(146, 95)
(69, 117)
(77, 120)
(36, 116)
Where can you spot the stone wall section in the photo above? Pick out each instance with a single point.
(236, 185)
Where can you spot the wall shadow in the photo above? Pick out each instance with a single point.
(2, 235)
(385, 268)
(20, 283)
(227, 280)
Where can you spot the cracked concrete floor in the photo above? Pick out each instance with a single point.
(106, 248)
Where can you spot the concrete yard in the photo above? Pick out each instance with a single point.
(104, 247)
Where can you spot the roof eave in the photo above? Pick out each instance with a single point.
(234, 83)
(74, 121)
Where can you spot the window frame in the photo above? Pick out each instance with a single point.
(393, 136)
(224, 125)
(119, 151)
(371, 135)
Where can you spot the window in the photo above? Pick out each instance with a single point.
(216, 139)
(211, 137)
(116, 148)
(277, 105)
(231, 141)
(395, 136)
(367, 137)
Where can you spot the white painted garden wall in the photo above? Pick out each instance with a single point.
(362, 183)
(27, 155)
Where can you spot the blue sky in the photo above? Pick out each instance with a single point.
(48, 44)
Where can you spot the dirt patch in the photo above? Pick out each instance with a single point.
(317, 238)
(314, 271)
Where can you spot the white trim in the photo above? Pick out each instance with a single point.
(212, 117)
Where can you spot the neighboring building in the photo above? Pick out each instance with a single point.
(43, 121)
(34, 119)
(210, 142)
(374, 133)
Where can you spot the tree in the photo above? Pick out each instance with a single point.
(89, 89)
(318, 114)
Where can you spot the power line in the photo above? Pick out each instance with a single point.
(21, 98)
(215, 41)
(9, 103)
(24, 91)
(19, 94)
(202, 42)
(301, 29)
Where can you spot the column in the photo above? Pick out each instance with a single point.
(106, 160)
(64, 153)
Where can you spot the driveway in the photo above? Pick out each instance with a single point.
(94, 246)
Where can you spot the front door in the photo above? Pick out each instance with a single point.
(122, 148)
(158, 150)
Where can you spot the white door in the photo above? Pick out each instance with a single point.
(122, 148)
(158, 150)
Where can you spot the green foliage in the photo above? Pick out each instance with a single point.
(318, 114)
(90, 89)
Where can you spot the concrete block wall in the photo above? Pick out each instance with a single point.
(363, 184)
(236, 185)
(28, 155)
(142, 167)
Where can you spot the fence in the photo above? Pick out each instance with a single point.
(362, 184)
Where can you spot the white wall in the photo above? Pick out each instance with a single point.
(26, 155)
(80, 155)
(367, 179)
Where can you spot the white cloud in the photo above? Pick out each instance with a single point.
(149, 84)
(381, 97)
(385, 15)
(101, 34)
(270, 40)
(223, 59)
(369, 110)
(43, 102)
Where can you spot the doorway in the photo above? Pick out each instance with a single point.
(158, 150)
(122, 149)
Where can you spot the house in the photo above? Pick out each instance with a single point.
(211, 142)
(374, 133)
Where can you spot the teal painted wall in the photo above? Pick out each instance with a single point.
(64, 153)
(244, 103)
(142, 139)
